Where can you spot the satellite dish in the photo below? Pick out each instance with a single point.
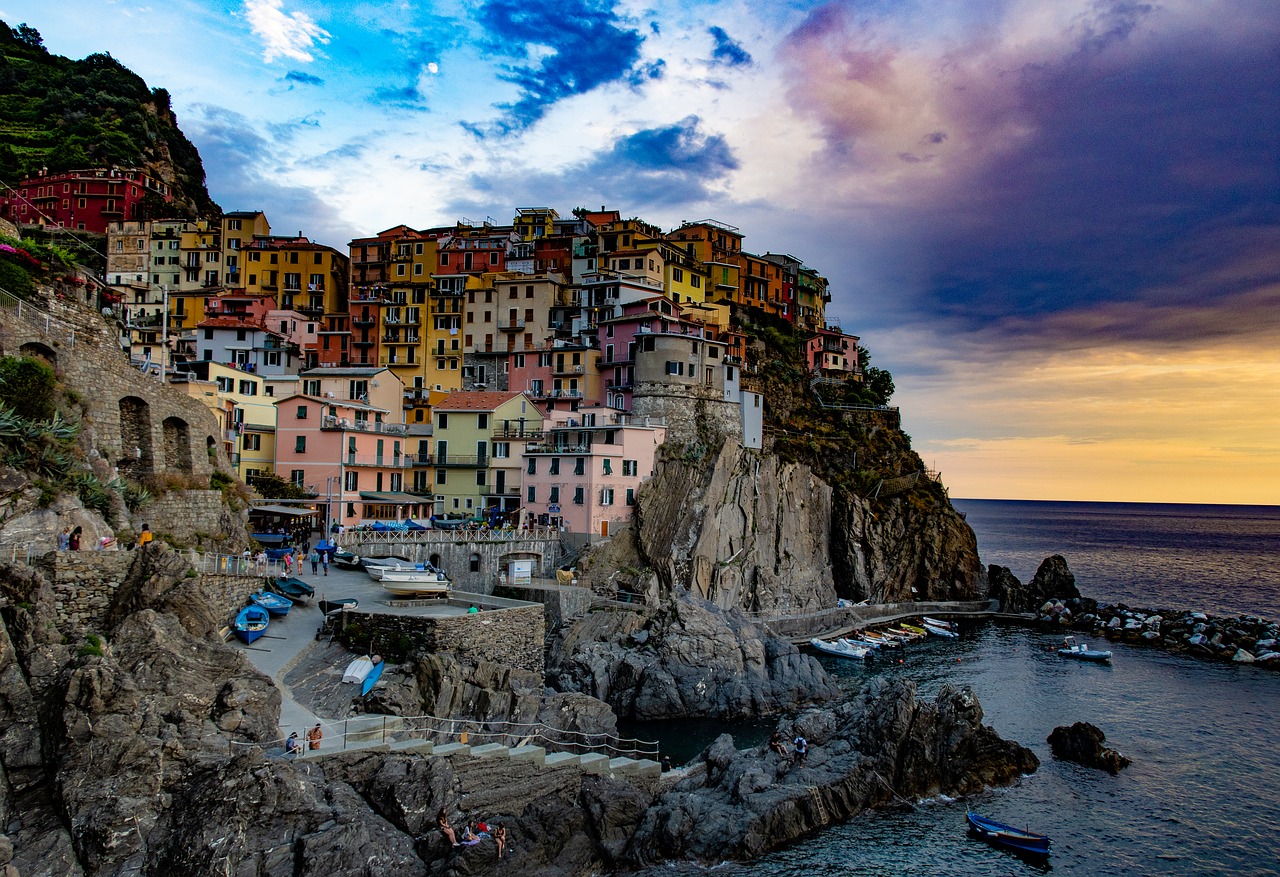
(375, 384)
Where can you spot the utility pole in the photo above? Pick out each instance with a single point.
(164, 331)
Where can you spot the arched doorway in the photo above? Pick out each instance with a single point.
(43, 351)
(177, 445)
(136, 457)
(435, 560)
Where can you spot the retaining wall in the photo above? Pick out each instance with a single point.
(513, 636)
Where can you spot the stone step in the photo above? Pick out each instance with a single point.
(490, 750)
(560, 759)
(450, 749)
(535, 754)
(624, 766)
(648, 768)
(420, 747)
(594, 762)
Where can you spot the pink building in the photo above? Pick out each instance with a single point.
(655, 314)
(586, 473)
(832, 354)
(346, 453)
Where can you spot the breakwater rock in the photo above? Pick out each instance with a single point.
(1053, 582)
(875, 750)
(1083, 743)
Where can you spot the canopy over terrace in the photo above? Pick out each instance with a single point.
(392, 506)
(267, 519)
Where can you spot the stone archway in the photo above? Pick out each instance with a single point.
(435, 560)
(211, 449)
(43, 351)
(177, 445)
(136, 457)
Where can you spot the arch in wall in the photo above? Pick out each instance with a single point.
(475, 562)
(211, 448)
(435, 559)
(177, 445)
(136, 457)
(43, 351)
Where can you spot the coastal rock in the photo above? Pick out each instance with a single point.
(1047, 594)
(876, 749)
(697, 661)
(1083, 743)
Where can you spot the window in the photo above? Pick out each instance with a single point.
(608, 466)
(248, 388)
(554, 495)
(502, 450)
(252, 441)
(482, 421)
(441, 476)
(351, 481)
(241, 334)
(480, 477)
(442, 421)
(555, 466)
(630, 467)
(606, 496)
(677, 275)
(675, 368)
(579, 466)
(300, 444)
(532, 494)
(533, 466)
(302, 412)
(579, 495)
(475, 558)
(631, 496)
(208, 334)
(296, 476)
(358, 390)
(311, 387)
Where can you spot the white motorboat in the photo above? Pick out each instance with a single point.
(940, 631)
(840, 648)
(938, 622)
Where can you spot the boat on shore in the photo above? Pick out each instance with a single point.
(1081, 652)
(358, 670)
(294, 589)
(366, 685)
(411, 587)
(273, 603)
(1017, 839)
(344, 559)
(251, 623)
(840, 649)
(337, 604)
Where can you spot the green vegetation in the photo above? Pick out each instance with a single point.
(61, 114)
(272, 486)
(27, 386)
(92, 646)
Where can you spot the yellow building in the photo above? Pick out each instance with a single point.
(246, 414)
(479, 440)
(531, 223)
(239, 230)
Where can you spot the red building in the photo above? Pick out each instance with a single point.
(82, 200)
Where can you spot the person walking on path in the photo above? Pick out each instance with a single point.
(315, 562)
(324, 561)
(288, 563)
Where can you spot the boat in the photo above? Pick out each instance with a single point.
(880, 639)
(909, 636)
(839, 648)
(911, 627)
(1081, 651)
(372, 563)
(344, 559)
(419, 585)
(273, 603)
(358, 670)
(938, 622)
(372, 678)
(294, 589)
(338, 604)
(1007, 836)
(864, 643)
(945, 632)
(251, 623)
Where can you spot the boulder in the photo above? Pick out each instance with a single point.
(1083, 743)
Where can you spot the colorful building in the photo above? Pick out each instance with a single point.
(85, 200)
(479, 438)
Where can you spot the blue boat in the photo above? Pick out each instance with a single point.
(294, 589)
(1082, 652)
(273, 603)
(251, 623)
(372, 678)
(1018, 839)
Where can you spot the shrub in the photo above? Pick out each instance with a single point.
(92, 646)
(27, 386)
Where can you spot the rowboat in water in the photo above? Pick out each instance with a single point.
(938, 622)
(1021, 840)
(945, 632)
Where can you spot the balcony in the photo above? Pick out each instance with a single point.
(511, 325)
(458, 460)
(328, 421)
(568, 370)
(516, 434)
(365, 320)
(565, 394)
(404, 461)
(364, 343)
(558, 449)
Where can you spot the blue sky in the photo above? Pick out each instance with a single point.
(1057, 222)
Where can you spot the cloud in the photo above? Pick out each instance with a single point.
(726, 51)
(569, 47)
(287, 35)
(302, 78)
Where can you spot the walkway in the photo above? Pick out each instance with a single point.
(843, 620)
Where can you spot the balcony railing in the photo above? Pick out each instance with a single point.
(458, 460)
(364, 321)
(404, 461)
(516, 434)
(328, 421)
(511, 325)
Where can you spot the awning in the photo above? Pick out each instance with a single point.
(281, 510)
(396, 498)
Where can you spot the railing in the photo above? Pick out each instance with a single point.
(404, 461)
(478, 732)
(33, 316)
(516, 434)
(557, 449)
(510, 325)
(328, 421)
(457, 460)
(234, 565)
(360, 536)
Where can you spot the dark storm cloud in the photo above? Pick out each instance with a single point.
(300, 78)
(726, 51)
(590, 46)
(1128, 189)
(653, 168)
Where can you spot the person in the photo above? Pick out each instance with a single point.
(666, 764)
(315, 561)
(324, 561)
(146, 537)
(313, 737)
(288, 562)
(73, 541)
(468, 835)
(262, 561)
(500, 838)
(64, 539)
(776, 744)
(802, 748)
(442, 823)
(291, 746)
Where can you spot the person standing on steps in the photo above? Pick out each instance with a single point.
(313, 737)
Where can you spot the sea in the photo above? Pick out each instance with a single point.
(1202, 796)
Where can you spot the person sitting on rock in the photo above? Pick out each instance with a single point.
(442, 823)
(802, 749)
(500, 838)
(776, 744)
(468, 835)
(291, 746)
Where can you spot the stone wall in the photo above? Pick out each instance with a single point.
(560, 602)
(84, 583)
(456, 553)
(512, 636)
(195, 518)
(692, 414)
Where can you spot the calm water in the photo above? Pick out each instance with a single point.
(1203, 794)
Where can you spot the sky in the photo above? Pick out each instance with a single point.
(1056, 222)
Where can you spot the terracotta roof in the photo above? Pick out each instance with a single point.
(476, 400)
(229, 323)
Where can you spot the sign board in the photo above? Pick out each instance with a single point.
(553, 509)
(520, 572)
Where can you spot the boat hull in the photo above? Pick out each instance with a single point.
(358, 670)
(327, 606)
(274, 603)
(1007, 836)
(251, 623)
(839, 649)
(372, 679)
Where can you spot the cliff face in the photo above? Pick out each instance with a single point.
(748, 530)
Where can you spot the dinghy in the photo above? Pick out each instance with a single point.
(945, 632)
(370, 680)
(294, 589)
(251, 623)
(1082, 652)
(840, 649)
(273, 603)
(998, 833)
(337, 604)
(358, 670)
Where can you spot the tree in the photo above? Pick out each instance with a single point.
(27, 385)
(878, 381)
(275, 487)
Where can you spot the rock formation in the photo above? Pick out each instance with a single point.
(687, 658)
(1053, 582)
(1083, 743)
(880, 748)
